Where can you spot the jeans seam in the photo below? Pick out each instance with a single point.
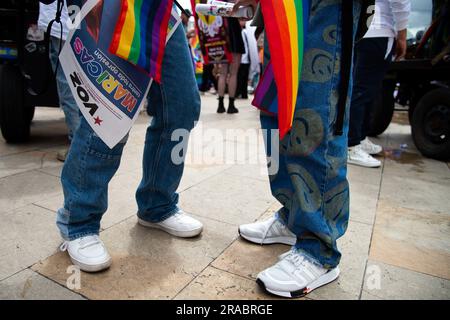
(80, 235)
(152, 178)
(163, 217)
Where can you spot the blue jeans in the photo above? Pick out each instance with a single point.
(311, 180)
(90, 164)
(66, 100)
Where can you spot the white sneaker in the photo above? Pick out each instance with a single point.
(269, 231)
(370, 147)
(356, 155)
(295, 276)
(89, 253)
(179, 225)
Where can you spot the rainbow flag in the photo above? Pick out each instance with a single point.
(286, 24)
(140, 33)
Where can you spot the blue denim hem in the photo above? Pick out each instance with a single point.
(162, 218)
(79, 235)
(311, 258)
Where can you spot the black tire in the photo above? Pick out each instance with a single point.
(14, 114)
(431, 124)
(383, 109)
(30, 113)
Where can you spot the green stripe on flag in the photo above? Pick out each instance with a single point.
(136, 44)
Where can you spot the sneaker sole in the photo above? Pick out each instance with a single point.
(364, 164)
(174, 232)
(91, 268)
(327, 278)
(278, 240)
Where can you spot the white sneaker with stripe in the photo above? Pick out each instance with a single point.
(295, 275)
(269, 231)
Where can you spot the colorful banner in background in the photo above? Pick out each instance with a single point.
(196, 52)
(109, 90)
(286, 24)
(212, 35)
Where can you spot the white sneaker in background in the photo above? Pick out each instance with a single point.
(269, 231)
(180, 225)
(370, 147)
(294, 276)
(88, 253)
(356, 155)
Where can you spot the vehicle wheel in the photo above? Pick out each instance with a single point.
(30, 112)
(383, 109)
(14, 114)
(431, 124)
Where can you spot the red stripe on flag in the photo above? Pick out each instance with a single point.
(119, 26)
(162, 40)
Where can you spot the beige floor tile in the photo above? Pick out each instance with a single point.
(29, 285)
(214, 284)
(27, 161)
(25, 188)
(194, 174)
(412, 165)
(27, 235)
(357, 174)
(354, 247)
(247, 259)
(147, 263)
(121, 199)
(363, 202)
(412, 239)
(388, 282)
(228, 198)
(415, 194)
(251, 170)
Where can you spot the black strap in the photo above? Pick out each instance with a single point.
(346, 62)
(187, 14)
(59, 8)
(51, 73)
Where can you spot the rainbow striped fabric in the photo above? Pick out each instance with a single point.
(140, 33)
(286, 24)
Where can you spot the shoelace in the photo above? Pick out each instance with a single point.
(297, 260)
(85, 242)
(270, 227)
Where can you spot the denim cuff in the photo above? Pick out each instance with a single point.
(161, 218)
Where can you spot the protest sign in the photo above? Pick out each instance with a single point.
(109, 90)
(213, 37)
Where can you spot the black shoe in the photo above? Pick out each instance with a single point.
(221, 108)
(231, 107)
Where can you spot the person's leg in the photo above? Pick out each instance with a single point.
(89, 167)
(175, 104)
(246, 71)
(66, 100)
(205, 78)
(311, 182)
(370, 67)
(384, 60)
(232, 82)
(242, 80)
(222, 83)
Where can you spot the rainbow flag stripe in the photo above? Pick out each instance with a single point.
(140, 33)
(286, 24)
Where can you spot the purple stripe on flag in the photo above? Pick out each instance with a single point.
(155, 35)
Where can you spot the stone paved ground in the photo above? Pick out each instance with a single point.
(397, 244)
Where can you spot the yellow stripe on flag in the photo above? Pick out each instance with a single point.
(293, 35)
(128, 30)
